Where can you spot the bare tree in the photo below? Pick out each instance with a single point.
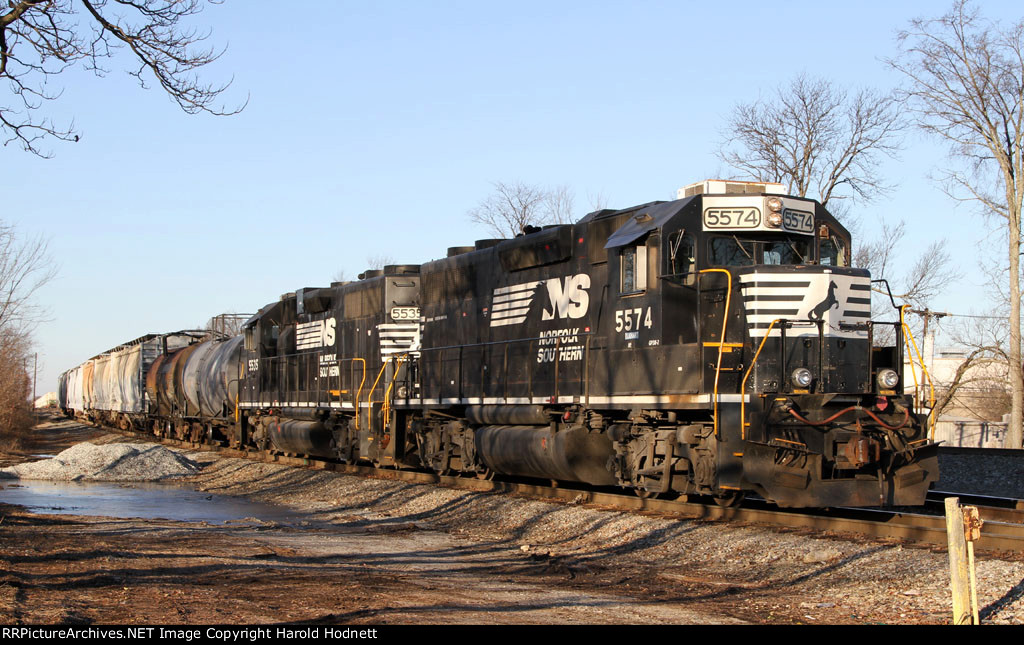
(379, 261)
(933, 270)
(39, 39)
(512, 207)
(599, 201)
(25, 266)
(983, 370)
(966, 87)
(815, 137)
(15, 388)
(827, 144)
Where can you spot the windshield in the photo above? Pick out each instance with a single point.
(784, 249)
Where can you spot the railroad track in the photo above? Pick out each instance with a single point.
(1003, 529)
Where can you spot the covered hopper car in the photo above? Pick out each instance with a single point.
(719, 344)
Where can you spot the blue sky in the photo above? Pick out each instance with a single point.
(373, 127)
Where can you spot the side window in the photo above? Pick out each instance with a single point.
(634, 269)
(270, 336)
(681, 256)
(833, 252)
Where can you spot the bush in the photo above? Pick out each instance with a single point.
(16, 418)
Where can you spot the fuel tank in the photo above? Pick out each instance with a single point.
(300, 437)
(570, 454)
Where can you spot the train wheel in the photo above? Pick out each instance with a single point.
(346, 452)
(729, 500)
(643, 493)
(486, 474)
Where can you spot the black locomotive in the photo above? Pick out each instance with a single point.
(716, 345)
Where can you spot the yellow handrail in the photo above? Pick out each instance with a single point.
(908, 339)
(387, 393)
(359, 392)
(721, 340)
(743, 384)
(384, 365)
(910, 355)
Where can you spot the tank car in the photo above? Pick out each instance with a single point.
(192, 390)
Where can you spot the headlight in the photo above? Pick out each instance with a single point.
(802, 377)
(774, 204)
(888, 379)
(774, 220)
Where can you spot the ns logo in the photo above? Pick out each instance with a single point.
(567, 297)
(316, 333)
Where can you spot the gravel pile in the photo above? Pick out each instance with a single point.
(134, 462)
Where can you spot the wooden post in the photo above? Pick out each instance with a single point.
(972, 532)
(959, 580)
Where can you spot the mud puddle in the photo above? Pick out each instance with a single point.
(137, 500)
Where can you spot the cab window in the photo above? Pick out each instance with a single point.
(787, 251)
(731, 251)
(634, 269)
(680, 263)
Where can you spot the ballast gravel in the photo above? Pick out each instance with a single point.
(113, 462)
(756, 573)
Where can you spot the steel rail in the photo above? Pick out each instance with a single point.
(990, 509)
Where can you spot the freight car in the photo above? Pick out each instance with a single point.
(110, 388)
(717, 344)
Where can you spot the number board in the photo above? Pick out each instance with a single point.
(797, 221)
(405, 313)
(736, 217)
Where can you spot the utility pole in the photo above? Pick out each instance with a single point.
(928, 314)
(35, 372)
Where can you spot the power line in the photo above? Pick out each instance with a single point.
(943, 314)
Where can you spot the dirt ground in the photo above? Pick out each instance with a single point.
(82, 570)
(378, 559)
